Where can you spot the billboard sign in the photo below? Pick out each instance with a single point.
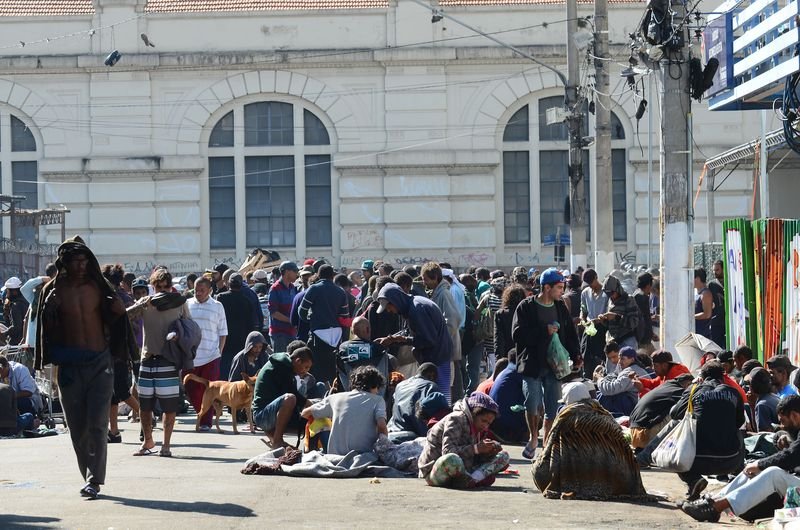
(718, 43)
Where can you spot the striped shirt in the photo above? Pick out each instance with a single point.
(210, 316)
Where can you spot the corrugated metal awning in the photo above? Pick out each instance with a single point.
(775, 139)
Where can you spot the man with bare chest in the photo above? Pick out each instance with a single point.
(80, 330)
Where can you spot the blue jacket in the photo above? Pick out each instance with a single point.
(326, 302)
(431, 340)
(257, 314)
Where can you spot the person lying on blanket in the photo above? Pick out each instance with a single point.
(357, 416)
(457, 453)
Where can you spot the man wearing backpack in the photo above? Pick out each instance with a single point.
(536, 321)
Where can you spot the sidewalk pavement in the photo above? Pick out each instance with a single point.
(201, 487)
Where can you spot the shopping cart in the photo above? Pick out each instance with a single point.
(46, 382)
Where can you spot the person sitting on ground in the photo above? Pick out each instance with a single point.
(510, 425)
(586, 455)
(781, 368)
(611, 351)
(251, 359)
(719, 411)
(457, 452)
(361, 350)
(357, 416)
(651, 413)
(11, 420)
(617, 391)
(759, 479)
(486, 385)
(765, 411)
(18, 377)
(432, 409)
(277, 399)
(405, 424)
(665, 369)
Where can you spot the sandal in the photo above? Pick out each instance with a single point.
(90, 491)
(114, 438)
(165, 453)
(144, 451)
(528, 452)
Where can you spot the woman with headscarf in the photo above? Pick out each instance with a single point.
(587, 457)
(457, 452)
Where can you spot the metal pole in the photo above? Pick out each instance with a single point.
(577, 191)
(763, 184)
(650, 171)
(603, 211)
(676, 311)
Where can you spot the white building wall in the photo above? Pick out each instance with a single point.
(416, 130)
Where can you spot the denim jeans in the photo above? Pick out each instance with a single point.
(473, 366)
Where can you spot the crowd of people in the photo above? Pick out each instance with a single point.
(465, 362)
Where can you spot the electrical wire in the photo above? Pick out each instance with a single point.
(791, 104)
(83, 33)
(728, 175)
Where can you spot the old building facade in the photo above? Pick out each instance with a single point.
(344, 129)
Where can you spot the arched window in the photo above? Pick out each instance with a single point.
(270, 149)
(19, 169)
(533, 147)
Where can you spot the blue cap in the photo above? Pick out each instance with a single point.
(551, 276)
(433, 403)
(367, 264)
(532, 272)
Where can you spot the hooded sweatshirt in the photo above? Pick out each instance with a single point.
(121, 343)
(430, 336)
(626, 325)
(240, 363)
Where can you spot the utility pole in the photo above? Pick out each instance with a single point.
(603, 210)
(577, 192)
(677, 315)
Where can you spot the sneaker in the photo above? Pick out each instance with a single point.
(702, 510)
(696, 489)
(114, 438)
(205, 428)
(528, 452)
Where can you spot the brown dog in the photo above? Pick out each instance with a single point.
(237, 395)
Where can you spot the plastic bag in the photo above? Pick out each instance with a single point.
(558, 358)
(676, 452)
(589, 329)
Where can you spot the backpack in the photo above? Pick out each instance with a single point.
(483, 321)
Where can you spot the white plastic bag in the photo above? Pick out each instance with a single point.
(676, 452)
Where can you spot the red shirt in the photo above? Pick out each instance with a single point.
(674, 371)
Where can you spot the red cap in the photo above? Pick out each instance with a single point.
(309, 261)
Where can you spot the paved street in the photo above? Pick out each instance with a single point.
(201, 487)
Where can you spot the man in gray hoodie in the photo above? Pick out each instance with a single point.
(622, 318)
